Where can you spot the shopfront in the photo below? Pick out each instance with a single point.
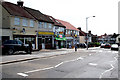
(26, 38)
(59, 41)
(45, 40)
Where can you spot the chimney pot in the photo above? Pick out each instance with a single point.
(20, 3)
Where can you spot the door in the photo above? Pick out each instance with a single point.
(43, 43)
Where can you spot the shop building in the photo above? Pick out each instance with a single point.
(21, 24)
(71, 33)
(45, 34)
(59, 34)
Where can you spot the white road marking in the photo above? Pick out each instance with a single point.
(112, 67)
(39, 70)
(107, 71)
(93, 64)
(22, 74)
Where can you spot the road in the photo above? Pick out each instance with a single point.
(92, 63)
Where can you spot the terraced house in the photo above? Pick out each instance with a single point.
(26, 24)
(44, 29)
(59, 30)
(19, 22)
(72, 34)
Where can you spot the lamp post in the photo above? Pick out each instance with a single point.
(87, 29)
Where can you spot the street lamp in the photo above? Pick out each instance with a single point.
(87, 29)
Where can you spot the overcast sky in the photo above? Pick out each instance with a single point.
(76, 11)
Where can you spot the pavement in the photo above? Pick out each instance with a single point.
(35, 55)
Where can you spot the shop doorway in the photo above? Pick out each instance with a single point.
(43, 43)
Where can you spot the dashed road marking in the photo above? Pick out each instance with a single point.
(25, 74)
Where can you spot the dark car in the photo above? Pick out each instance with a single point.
(11, 46)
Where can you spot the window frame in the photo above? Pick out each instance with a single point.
(16, 21)
(24, 22)
(32, 21)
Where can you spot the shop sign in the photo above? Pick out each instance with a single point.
(60, 32)
(46, 33)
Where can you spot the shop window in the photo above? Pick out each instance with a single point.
(31, 23)
(48, 41)
(16, 21)
(25, 22)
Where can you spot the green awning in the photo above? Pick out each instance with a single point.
(61, 39)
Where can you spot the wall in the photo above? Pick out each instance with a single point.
(29, 30)
(81, 39)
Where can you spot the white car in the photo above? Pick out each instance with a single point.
(114, 47)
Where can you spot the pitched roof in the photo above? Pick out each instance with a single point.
(38, 15)
(56, 22)
(16, 10)
(68, 25)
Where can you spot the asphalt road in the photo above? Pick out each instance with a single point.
(92, 63)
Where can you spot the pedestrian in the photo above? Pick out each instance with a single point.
(30, 47)
(75, 47)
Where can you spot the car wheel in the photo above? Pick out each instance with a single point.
(10, 51)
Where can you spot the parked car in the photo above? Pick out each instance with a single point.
(11, 46)
(114, 47)
(105, 45)
(102, 45)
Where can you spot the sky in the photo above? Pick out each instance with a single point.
(76, 11)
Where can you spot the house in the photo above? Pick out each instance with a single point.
(72, 34)
(118, 39)
(82, 36)
(59, 31)
(18, 24)
(44, 30)
(28, 24)
(114, 38)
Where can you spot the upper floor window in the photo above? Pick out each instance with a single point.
(31, 23)
(66, 32)
(25, 22)
(50, 26)
(45, 25)
(16, 21)
(69, 32)
(40, 25)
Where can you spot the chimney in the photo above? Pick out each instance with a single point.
(89, 32)
(79, 28)
(20, 3)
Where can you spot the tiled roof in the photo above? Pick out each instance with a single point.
(56, 22)
(14, 9)
(82, 33)
(68, 25)
(38, 15)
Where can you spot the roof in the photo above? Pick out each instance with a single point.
(68, 25)
(14, 9)
(56, 22)
(115, 35)
(82, 33)
(38, 15)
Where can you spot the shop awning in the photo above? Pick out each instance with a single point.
(61, 39)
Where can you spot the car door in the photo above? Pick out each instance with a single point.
(20, 46)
